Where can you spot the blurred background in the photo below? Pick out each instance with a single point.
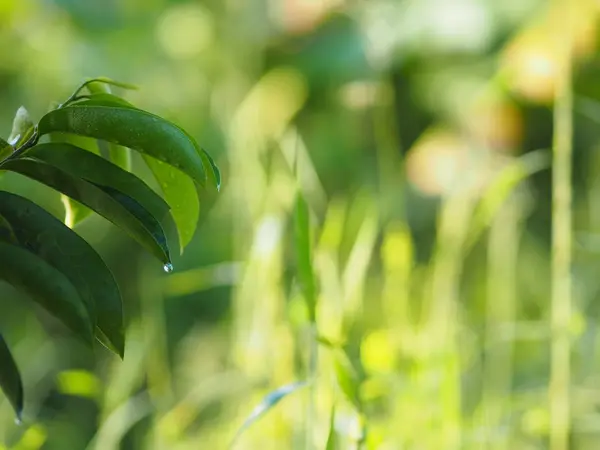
(418, 132)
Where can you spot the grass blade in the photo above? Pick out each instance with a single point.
(269, 401)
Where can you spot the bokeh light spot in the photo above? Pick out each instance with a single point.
(185, 31)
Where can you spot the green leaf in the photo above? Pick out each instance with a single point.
(102, 99)
(5, 149)
(115, 206)
(102, 173)
(131, 128)
(7, 233)
(47, 286)
(75, 212)
(109, 81)
(22, 127)
(180, 193)
(347, 377)
(269, 401)
(100, 95)
(41, 233)
(214, 174)
(95, 83)
(303, 256)
(86, 143)
(10, 379)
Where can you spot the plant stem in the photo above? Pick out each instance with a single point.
(313, 359)
(503, 250)
(561, 243)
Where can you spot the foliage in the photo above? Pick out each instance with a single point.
(414, 295)
(46, 258)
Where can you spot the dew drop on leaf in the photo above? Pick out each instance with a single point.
(18, 421)
(168, 267)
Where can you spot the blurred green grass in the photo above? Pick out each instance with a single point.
(418, 133)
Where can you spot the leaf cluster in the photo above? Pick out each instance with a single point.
(82, 149)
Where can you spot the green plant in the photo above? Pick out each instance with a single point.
(46, 258)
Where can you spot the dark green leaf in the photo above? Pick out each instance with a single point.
(47, 286)
(75, 212)
(303, 256)
(346, 377)
(214, 174)
(7, 233)
(22, 127)
(180, 193)
(5, 149)
(115, 206)
(100, 172)
(43, 234)
(270, 400)
(10, 379)
(131, 128)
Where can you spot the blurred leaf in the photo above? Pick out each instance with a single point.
(180, 193)
(10, 379)
(332, 53)
(43, 234)
(347, 377)
(47, 286)
(115, 206)
(120, 155)
(502, 186)
(303, 256)
(587, 107)
(102, 173)
(5, 149)
(269, 402)
(331, 437)
(22, 127)
(131, 128)
(328, 342)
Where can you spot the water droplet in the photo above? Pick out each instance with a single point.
(18, 421)
(168, 267)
